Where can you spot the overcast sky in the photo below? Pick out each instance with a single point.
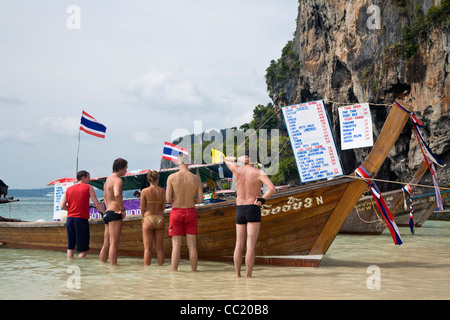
(144, 69)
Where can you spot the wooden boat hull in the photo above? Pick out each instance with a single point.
(424, 208)
(298, 224)
(365, 217)
(290, 221)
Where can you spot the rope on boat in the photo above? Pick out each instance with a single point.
(395, 182)
(381, 222)
(349, 176)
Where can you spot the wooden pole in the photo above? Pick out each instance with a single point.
(392, 129)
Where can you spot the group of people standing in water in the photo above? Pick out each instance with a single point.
(183, 192)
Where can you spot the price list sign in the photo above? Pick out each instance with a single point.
(312, 141)
(356, 126)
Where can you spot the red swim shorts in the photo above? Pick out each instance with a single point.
(182, 221)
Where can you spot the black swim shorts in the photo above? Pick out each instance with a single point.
(111, 216)
(77, 234)
(248, 213)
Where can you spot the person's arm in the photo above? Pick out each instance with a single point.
(142, 202)
(199, 198)
(270, 189)
(119, 197)
(97, 203)
(64, 203)
(163, 203)
(169, 191)
(231, 163)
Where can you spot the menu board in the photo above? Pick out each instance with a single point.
(312, 141)
(60, 190)
(356, 126)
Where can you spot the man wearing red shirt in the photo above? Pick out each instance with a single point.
(76, 202)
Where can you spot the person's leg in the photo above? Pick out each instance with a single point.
(252, 237)
(191, 241)
(104, 252)
(241, 234)
(176, 249)
(70, 238)
(159, 241)
(147, 237)
(69, 254)
(115, 227)
(83, 237)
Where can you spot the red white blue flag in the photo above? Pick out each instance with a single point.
(381, 204)
(407, 189)
(172, 151)
(428, 155)
(91, 126)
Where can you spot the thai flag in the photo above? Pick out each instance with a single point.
(172, 151)
(91, 126)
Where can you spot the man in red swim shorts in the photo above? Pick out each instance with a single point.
(184, 190)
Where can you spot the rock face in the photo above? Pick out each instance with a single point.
(346, 52)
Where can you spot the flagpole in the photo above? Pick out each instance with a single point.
(78, 151)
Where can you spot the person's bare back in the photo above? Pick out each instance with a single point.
(249, 181)
(184, 189)
(113, 193)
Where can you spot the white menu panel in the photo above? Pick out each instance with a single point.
(312, 141)
(356, 126)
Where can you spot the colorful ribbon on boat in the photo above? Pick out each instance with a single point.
(407, 189)
(427, 154)
(381, 204)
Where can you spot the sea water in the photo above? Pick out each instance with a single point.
(355, 267)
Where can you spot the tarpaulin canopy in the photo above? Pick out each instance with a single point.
(138, 180)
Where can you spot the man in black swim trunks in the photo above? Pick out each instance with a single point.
(115, 211)
(249, 200)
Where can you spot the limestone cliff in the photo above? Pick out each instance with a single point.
(373, 51)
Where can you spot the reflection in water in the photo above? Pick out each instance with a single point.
(416, 270)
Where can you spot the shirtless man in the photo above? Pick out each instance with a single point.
(249, 181)
(184, 190)
(115, 211)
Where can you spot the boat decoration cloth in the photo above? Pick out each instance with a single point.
(428, 155)
(381, 204)
(408, 190)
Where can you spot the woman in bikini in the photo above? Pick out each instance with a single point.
(153, 203)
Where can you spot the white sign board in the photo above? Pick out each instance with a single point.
(356, 126)
(312, 141)
(60, 190)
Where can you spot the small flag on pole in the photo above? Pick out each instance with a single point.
(91, 126)
(172, 151)
(216, 156)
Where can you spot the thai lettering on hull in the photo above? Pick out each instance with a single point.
(292, 204)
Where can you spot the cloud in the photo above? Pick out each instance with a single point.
(67, 126)
(9, 101)
(143, 138)
(166, 88)
(20, 136)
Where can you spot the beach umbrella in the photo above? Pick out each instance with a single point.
(62, 180)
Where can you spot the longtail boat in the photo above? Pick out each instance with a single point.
(424, 207)
(365, 217)
(298, 223)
